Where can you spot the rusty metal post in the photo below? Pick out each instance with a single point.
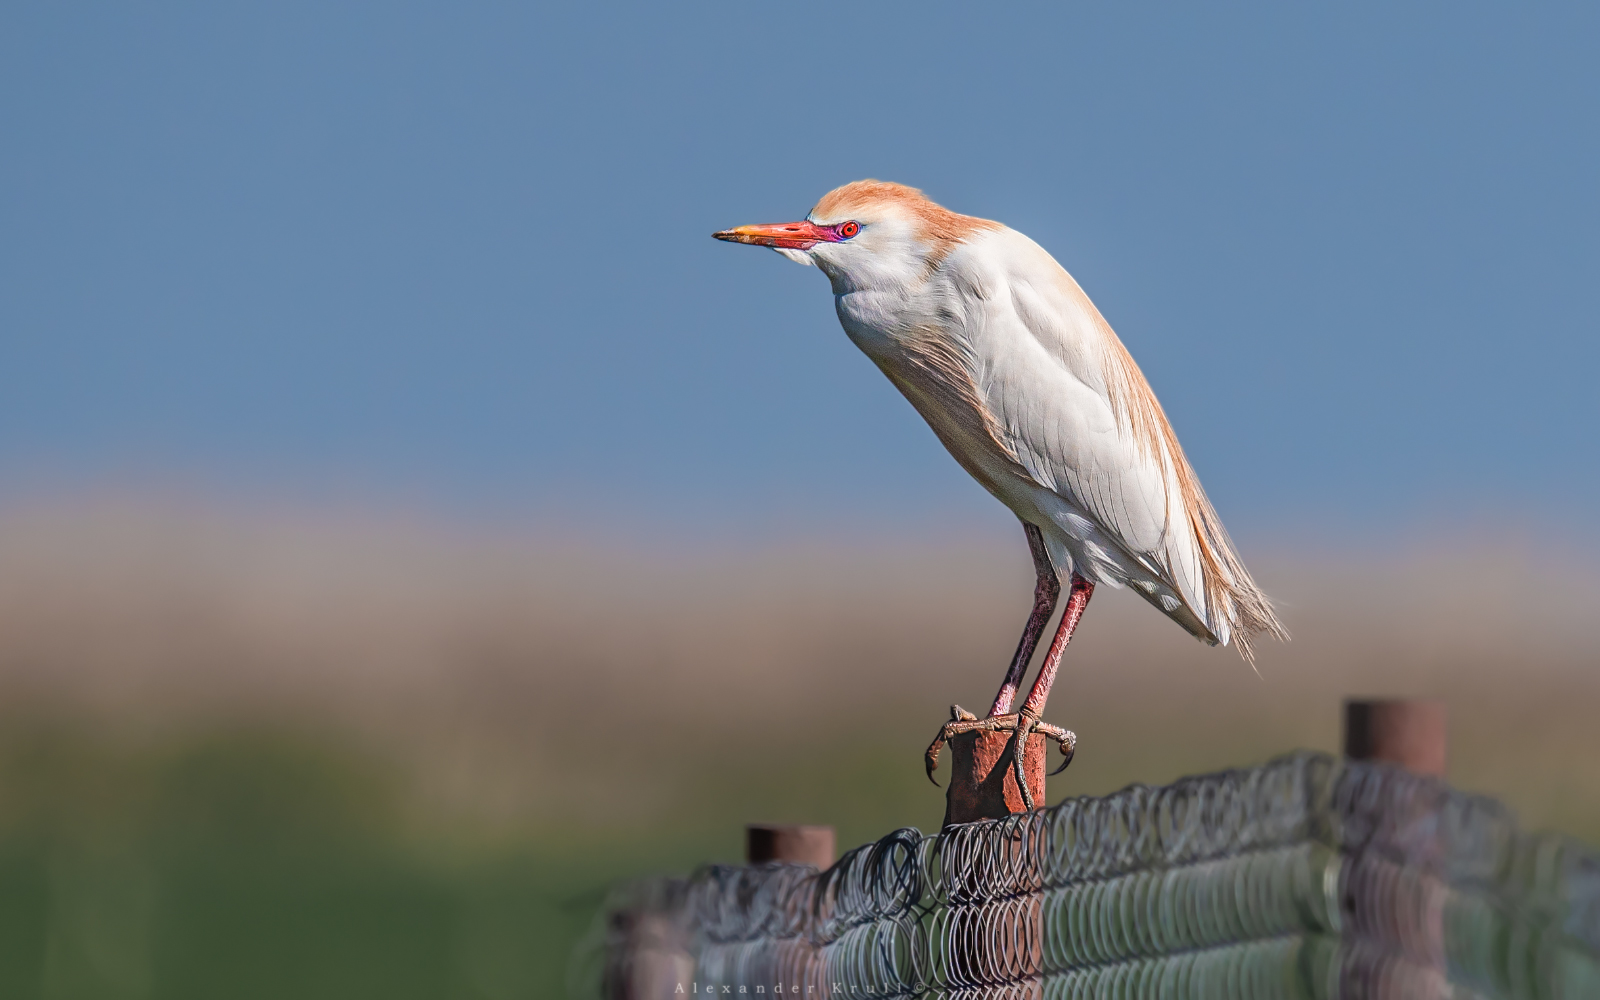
(983, 784)
(1384, 899)
(1410, 733)
(810, 845)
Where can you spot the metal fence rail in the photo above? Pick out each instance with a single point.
(1307, 877)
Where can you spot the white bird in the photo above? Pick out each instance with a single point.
(1025, 383)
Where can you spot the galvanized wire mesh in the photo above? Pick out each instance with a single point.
(1307, 877)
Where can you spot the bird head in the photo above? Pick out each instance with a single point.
(866, 234)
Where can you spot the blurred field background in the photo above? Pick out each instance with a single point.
(265, 754)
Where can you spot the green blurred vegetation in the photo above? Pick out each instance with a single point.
(276, 860)
(272, 861)
(256, 864)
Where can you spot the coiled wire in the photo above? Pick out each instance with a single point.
(1307, 877)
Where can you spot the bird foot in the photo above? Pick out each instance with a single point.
(1019, 725)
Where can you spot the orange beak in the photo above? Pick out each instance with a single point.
(788, 235)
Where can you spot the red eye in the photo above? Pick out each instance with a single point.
(848, 229)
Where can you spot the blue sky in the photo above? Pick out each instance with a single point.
(459, 254)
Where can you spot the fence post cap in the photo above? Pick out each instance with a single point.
(792, 842)
(1410, 732)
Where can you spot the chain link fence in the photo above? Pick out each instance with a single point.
(1307, 877)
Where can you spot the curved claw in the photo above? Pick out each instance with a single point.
(1063, 767)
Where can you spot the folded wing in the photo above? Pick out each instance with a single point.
(1078, 416)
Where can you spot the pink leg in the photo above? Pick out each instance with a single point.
(1045, 593)
(1028, 719)
(1077, 599)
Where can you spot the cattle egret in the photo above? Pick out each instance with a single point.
(1020, 377)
